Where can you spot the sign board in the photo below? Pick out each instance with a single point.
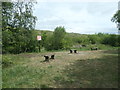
(39, 38)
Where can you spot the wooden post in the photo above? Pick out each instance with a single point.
(39, 46)
(39, 38)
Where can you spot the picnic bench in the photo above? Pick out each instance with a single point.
(48, 57)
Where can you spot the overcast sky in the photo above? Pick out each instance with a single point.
(78, 17)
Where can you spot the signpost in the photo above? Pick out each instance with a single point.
(39, 38)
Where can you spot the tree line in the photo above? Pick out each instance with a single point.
(19, 35)
(72, 39)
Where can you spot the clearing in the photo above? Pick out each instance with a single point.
(87, 69)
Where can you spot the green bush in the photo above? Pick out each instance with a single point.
(6, 61)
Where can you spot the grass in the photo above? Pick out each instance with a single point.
(0, 71)
(100, 47)
(87, 69)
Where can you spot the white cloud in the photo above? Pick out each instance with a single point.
(84, 17)
(77, 0)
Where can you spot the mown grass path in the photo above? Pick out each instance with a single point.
(87, 69)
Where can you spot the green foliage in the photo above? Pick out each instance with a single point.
(23, 41)
(111, 40)
(8, 41)
(18, 23)
(7, 10)
(93, 39)
(17, 15)
(116, 18)
(67, 42)
(44, 36)
(23, 15)
(6, 61)
(56, 41)
(48, 43)
(58, 36)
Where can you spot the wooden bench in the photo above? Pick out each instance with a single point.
(71, 51)
(47, 57)
(94, 48)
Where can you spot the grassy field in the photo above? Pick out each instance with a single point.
(87, 69)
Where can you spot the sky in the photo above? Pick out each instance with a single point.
(84, 17)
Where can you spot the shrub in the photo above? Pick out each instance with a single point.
(6, 61)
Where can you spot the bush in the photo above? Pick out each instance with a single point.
(111, 40)
(6, 61)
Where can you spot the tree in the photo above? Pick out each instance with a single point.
(58, 36)
(18, 21)
(49, 43)
(17, 15)
(23, 16)
(116, 18)
(44, 36)
(67, 42)
(7, 10)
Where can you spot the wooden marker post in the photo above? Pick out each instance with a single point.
(39, 38)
